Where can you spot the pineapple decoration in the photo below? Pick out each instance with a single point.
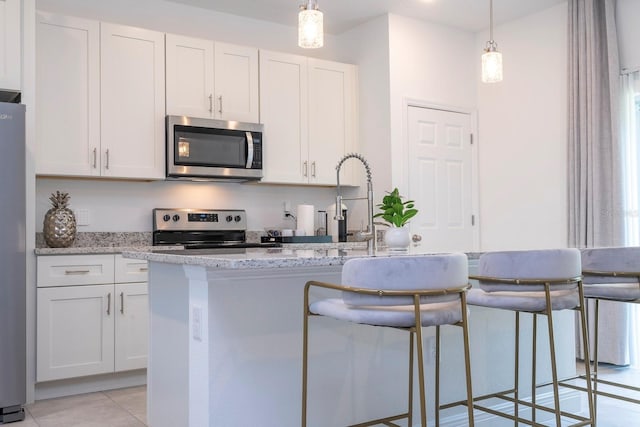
(59, 222)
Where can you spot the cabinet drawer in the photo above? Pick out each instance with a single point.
(69, 270)
(130, 270)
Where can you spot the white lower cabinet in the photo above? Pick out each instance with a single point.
(85, 328)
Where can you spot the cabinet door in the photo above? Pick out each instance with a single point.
(10, 44)
(189, 65)
(283, 109)
(132, 323)
(331, 120)
(67, 96)
(74, 331)
(132, 88)
(236, 83)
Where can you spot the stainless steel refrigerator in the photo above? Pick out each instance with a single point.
(12, 263)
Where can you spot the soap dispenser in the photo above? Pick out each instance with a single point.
(337, 229)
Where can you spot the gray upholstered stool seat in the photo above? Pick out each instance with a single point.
(537, 282)
(405, 292)
(612, 275)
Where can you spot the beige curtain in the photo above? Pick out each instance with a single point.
(596, 167)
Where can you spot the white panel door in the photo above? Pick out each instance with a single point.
(236, 83)
(440, 178)
(132, 323)
(331, 120)
(75, 331)
(10, 44)
(283, 109)
(68, 95)
(133, 102)
(189, 64)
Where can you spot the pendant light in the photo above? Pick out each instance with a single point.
(310, 31)
(491, 58)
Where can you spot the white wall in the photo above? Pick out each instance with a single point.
(431, 63)
(368, 45)
(126, 206)
(627, 18)
(523, 135)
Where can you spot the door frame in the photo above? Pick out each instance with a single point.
(475, 184)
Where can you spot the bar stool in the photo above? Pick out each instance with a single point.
(611, 274)
(537, 282)
(401, 292)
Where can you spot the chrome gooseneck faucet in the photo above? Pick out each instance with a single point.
(369, 234)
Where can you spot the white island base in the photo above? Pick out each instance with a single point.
(226, 350)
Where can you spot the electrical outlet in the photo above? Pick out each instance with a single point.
(196, 322)
(286, 206)
(82, 216)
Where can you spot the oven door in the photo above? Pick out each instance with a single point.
(204, 148)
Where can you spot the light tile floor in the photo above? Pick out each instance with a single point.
(127, 408)
(115, 408)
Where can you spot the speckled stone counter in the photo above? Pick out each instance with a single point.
(255, 258)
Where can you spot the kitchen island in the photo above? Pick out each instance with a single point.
(226, 345)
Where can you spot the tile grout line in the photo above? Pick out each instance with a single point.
(125, 409)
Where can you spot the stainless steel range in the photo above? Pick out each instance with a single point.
(203, 230)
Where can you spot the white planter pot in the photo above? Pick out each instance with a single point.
(397, 239)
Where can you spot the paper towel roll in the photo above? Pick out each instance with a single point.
(305, 215)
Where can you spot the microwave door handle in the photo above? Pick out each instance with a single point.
(249, 149)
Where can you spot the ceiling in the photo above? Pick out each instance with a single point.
(342, 15)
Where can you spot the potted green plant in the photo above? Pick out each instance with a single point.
(397, 213)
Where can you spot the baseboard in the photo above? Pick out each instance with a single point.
(90, 384)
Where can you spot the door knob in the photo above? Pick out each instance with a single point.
(416, 238)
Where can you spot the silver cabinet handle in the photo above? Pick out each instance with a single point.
(121, 302)
(143, 269)
(106, 166)
(416, 238)
(109, 304)
(220, 99)
(305, 168)
(313, 169)
(95, 158)
(211, 103)
(71, 272)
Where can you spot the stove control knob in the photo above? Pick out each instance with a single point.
(176, 217)
(238, 218)
(229, 218)
(166, 218)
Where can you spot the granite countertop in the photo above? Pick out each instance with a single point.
(254, 258)
(87, 243)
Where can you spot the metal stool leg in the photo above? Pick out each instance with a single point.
(534, 352)
(552, 351)
(516, 384)
(467, 361)
(437, 377)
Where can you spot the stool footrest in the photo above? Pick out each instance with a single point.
(504, 395)
(609, 394)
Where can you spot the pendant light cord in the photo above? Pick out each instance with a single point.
(491, 20)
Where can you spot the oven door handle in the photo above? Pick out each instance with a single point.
(249, 149)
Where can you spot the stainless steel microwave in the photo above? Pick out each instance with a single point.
(207, 149)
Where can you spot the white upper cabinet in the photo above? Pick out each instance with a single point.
(68, 95)
(10, 59)
(236, 82)
(132, 102)
(332, 120)
(189, 65)
(211, 80)
(309, 115)
(99, 99)
(283, 108)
